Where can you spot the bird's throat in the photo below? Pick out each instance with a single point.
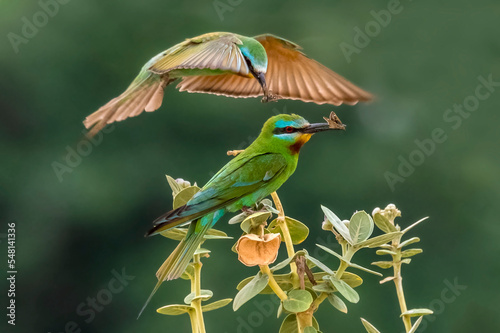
(295, 147)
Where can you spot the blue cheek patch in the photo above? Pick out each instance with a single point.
(289, 137)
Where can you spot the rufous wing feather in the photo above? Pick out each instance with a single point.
(290, 75)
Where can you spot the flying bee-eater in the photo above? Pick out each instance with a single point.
(251, 176)
(232, 65)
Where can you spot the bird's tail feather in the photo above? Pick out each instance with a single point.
(179, 259)
(144, 94)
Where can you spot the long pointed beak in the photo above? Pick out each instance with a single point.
(261, 77)
(320, 127)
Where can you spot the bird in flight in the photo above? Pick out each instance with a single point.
(228, 64)
(248, 178)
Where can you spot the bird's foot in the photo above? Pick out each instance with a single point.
(247, 210)
(233, 152)
(270, 97)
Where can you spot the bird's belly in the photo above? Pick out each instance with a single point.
(251, 199)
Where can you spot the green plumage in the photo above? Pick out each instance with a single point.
(248, 178)
(231, 65)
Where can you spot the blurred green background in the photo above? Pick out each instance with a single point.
(72, 234)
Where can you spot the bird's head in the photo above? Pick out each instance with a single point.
(255, 56)
(291, 131)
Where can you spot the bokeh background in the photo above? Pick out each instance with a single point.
(73, 231)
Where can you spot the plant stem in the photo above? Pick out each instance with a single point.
(398, 282)
(194, 322)
(286, 236)
(283, 225)
(272, 282)
(196, 303)
(347, 254)
(318, 301)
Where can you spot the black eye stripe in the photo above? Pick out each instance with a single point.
(283, 130)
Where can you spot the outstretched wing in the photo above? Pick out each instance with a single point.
(290, 74)
(215, 51)
(239, 178)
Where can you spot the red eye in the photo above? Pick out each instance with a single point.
(289, 129)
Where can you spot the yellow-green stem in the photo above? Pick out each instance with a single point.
(272, 282)
(283, 226)
(347, 254)
(398, 282)
(196, 303)
(286, 236)
(194, 322)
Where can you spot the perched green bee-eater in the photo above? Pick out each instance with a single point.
(248, 178)
(228, 64)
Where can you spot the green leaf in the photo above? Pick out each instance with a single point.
(360, 227)
(323, 288)
(337, 303)
(184, 196)
(379, 240)
(250, 290)
(202, 251)
(216, 234)
(176, 187)
(337, 224)
(237, 218)
(417, 312)
(415, 326)
(351, 279)
(406, 261)
(287, 261)
(282, 264)
(310, 329)
(332, 252)
(217, 237)
(349, 263)
(320, 265)
(188, 274)
(216, 305)
(409, 241)
(180, 233)
(290, 324)
(384, 252)
(204, 295)
(177, 234)
(175, 309)
(280, 310)
(345, 290)
(411, 252)
(254, 220)
(283, 280)
(298, 301)
(298, 230)
(315, 324)
(383, 223)
(383, 264)
(414, 224)
(364, 269)
(369, 327)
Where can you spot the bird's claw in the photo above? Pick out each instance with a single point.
(270, 97)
